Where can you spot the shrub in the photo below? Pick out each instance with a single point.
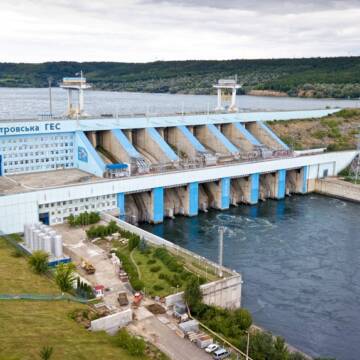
(38, 261)
(46, 352)
(134, 345)
(102, 230)
(155, 269)
(151, 261)
(134, 241)
(83, 219)
(64, 276)
(192, 294)
(129, 267)
(158, 287)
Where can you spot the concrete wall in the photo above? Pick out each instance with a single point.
(225, 293)
(240, 137)
(213, 139)
(28, 202)
(149, 139)
(181, 138)
(338, 188)
(264, 137)
(86, 157)
(112, 323)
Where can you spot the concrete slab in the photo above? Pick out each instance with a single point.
(35, 181)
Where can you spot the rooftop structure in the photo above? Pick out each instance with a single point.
(222, 86)
(75, 84)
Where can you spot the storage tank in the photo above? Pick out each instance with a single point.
(31, 234)
(47, 244)
(41, 240)
(36, 240)
(27, 234)
(58, 253)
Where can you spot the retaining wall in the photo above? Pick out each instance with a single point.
(112, 323)
(338, 188)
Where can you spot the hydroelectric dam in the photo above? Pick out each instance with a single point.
(144, 169)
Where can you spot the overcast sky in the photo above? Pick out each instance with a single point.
(148, 30)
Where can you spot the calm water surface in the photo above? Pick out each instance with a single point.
(29, 103)
(300, 261)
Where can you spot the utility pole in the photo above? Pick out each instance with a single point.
(50, 96)
(247, 345)
(221, 250)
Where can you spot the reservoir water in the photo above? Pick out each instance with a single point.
(300, 261)
(17, 103)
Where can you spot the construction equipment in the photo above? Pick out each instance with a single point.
(88, 267)
(122, 299)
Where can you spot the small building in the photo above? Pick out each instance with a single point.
(99, 291)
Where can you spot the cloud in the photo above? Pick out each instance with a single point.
(148, 30)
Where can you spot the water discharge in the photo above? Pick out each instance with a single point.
(300, 262)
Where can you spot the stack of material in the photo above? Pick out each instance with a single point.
(42, 237)
(188, 326)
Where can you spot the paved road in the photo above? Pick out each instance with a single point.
(167, 340)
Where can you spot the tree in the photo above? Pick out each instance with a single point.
(46, 352)
(243, 319)
(192, 294)
(38, 261)
(280, 349)
(64, 276)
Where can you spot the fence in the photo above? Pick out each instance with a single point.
(40, 297)
(178, 250)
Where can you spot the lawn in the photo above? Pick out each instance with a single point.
(158, 279)
(27, 326)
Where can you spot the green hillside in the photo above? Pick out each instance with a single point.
(314, 77)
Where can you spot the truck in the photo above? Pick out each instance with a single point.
(122, 299)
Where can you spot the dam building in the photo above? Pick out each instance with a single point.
(143, 168)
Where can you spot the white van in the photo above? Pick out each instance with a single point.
(221, 354)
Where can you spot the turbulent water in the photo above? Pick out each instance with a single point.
(300, 261)
(29, 103)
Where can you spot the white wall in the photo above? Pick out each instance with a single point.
(23, 207)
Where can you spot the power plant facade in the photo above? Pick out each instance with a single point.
(149, 168)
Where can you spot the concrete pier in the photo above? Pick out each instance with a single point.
(265, 136)
(212, 138)
(240, 137)
(157, 205)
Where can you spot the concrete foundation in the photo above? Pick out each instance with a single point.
(296, 181)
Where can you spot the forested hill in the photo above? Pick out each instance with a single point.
(314, 77)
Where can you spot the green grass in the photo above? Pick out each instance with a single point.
(27, 326)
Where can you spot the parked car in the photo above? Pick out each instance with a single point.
(220, 354)
(211, 348)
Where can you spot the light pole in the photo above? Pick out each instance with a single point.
(247, 345)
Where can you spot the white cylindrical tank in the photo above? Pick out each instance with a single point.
(47, 244)
(27, 234)
(41, 241)
(36, 240)
(31, 239)
(58, 250)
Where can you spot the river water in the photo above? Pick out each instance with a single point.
(300, 261)
(29, 103)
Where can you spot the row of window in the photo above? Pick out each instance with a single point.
(60, 210)
(24, 169)
(30, 147)
(35, 161)
(35, 138)
(37, 153)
